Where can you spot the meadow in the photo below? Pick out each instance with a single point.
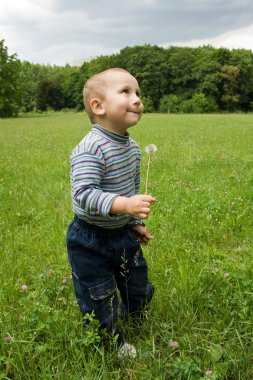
(200, 323)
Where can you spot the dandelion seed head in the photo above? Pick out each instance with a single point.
(24, 288)
(151, 148)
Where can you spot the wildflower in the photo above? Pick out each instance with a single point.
(226, 275)
(24, 288)
(127, 351)
(151, 148)
(208, 373)
(8, 368)
(174, 345)
(64, 280)
(62, 300)
(8, 339)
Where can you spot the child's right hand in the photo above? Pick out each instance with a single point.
(139, 205)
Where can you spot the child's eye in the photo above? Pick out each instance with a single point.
(125, 91)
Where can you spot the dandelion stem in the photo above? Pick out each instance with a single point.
(146, 185)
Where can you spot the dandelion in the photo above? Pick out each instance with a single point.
(174, 345)
(24, 288)
(150, 149)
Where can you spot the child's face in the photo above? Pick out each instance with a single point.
(122, 104)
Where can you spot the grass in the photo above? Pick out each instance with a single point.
(200, 260)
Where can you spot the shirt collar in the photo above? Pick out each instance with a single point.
(111, 135)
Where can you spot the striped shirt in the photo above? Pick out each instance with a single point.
(104, 165)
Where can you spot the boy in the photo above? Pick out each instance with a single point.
(104, 238)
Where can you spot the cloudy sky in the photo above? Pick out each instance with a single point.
(64, 31)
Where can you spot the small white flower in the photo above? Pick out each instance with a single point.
(208, 373)
(151, 148)
(127, 351)
(174, 345)
(226, 275)
(24, 288)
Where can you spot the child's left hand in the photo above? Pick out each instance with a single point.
(142, 233)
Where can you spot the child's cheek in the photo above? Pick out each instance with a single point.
(122, 108)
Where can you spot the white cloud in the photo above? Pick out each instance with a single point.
(62, 31)
(235, 39)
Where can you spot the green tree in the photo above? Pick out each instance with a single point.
(49, 95)
(207, 73)
(30, 77)
(148, 104)
(170, 104)
(198, 104)
(243, 59)
(181, 65)
(230, 84)
(10, 84)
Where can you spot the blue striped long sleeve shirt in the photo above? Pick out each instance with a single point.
(104, 165)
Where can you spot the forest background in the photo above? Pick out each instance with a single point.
(172, 80)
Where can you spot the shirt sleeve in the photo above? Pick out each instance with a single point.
(87, 172)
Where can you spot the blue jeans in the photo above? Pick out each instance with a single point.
(103, 261)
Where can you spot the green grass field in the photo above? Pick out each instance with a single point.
(200, 261)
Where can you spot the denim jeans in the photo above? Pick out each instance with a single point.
(102, 261)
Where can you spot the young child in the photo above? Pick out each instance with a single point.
(104, 238)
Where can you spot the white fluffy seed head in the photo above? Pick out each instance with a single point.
(151, 148)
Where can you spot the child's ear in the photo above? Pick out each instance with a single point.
(97, 107)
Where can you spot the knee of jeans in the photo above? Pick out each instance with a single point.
(140, 297)
(105, 301)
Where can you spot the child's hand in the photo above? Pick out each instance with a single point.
(139, 205)
(142, 233)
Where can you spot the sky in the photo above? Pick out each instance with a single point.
(58, 32)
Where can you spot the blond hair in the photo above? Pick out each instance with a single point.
(95, 88)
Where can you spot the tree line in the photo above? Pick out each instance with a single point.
(173, 79)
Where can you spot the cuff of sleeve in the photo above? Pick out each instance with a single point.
(135, 221)
(107, 204)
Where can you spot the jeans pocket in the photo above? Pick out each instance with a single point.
(105, 301)
(77, 235)
(103, 289)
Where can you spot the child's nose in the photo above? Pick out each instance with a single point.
(137, 100)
